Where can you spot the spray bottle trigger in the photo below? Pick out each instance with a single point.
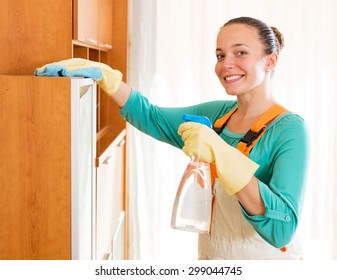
(198, 119)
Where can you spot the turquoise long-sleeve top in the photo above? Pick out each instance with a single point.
(282, 154)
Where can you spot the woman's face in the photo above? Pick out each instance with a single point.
(241, 63)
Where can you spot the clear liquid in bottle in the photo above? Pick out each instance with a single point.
(192, 207)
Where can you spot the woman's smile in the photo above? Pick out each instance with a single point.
(232, 78)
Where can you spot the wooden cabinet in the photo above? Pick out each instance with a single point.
(34, 33)
(47, 174)
(105, 35)
(92, 22)
(85, 21)
(37, 188)
(112, 20)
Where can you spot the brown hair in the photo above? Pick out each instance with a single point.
(271, 37)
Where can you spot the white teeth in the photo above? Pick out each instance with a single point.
(230, 78)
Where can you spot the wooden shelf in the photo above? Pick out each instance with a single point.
(105, 137)
(90, 46)
(27, 44)
(109, 123)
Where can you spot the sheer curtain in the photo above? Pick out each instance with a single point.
(172, 60)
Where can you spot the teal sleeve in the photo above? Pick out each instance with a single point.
(152, 120)
(282, 179)
(162, 123)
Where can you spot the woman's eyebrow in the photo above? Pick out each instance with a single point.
(234, 46)
(240, 44)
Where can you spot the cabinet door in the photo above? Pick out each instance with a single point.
(110, 201)
(105, 23)
(83, 153)
(35, 176)
(85, 20)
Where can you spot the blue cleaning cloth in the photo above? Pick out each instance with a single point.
(94, 73)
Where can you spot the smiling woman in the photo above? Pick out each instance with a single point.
(258, 198)
(244, 44)
(172, 82)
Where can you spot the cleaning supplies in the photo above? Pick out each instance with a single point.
(108, 79)
(192, 207)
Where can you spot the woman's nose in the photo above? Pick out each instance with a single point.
(227, 62)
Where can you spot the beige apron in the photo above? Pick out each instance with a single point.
(232, 237)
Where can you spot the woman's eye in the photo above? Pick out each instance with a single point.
(241, 53)
(219, 57)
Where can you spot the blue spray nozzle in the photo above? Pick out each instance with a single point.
(198, 119)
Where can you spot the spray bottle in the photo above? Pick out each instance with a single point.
(192, 207)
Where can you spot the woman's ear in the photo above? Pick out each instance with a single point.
(271, 62)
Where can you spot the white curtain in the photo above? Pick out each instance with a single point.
(172, 58)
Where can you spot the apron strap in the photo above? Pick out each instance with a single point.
(247, 143)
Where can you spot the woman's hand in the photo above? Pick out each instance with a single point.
(234, 169)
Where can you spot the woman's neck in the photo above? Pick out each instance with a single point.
(250, 108)
(254, 103)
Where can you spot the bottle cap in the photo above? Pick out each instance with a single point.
(197, 119)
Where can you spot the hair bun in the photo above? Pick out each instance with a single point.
(279, 38)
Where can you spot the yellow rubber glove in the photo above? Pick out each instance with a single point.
(111, 78)
(234, 169)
